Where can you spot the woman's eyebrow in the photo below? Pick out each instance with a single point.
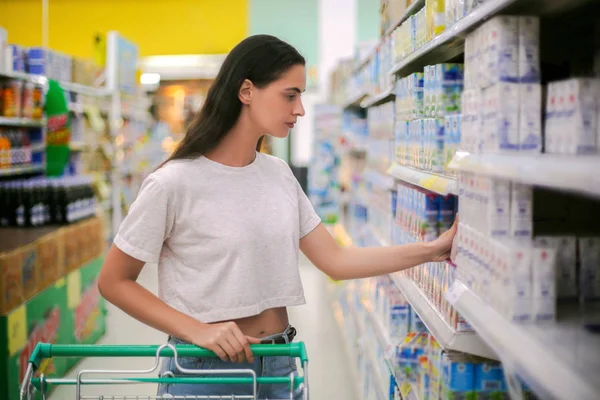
(294, 89)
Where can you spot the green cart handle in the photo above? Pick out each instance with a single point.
(48, 350)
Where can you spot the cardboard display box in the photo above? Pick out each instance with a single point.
(68, 312)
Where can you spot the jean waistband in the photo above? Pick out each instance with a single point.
(284, 334)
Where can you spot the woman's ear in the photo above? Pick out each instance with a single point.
(245, 94)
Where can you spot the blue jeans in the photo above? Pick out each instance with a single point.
(262, 366)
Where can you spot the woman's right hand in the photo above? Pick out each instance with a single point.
(226, 340)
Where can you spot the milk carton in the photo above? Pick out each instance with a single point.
(497, 195)
(530, 118)
(529, 49)
(501, 118)
(589, 251)
(501, 38)
(580, 116)
(521, 212)
(566, 263)
(544, 283)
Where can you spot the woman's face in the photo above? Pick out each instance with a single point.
(276, 107)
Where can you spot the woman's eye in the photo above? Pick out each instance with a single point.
(291, 97)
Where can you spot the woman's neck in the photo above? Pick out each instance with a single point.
(238, 147)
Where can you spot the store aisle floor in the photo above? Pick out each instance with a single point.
(329, 374)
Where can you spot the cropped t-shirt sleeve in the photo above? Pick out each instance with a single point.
(148, 223)
(309, 219)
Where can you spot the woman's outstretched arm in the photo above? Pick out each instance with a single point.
(341, 263)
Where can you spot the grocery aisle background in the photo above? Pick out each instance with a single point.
(330, 376)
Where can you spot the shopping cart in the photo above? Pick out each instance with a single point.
(33, 384)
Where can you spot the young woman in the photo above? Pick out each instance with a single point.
(225, 223)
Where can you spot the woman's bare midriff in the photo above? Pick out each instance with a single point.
(269, 322)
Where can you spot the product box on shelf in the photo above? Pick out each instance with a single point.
(589, 253)
(458, 376)
(3, 47)
(43, 318)
(68, 312)
(51, 257)
(572, 116)
(20, 276)
(544, 284)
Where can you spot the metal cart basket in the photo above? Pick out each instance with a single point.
(33, 384)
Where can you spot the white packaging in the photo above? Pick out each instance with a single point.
(521, 211)
(530, 118)
(501, 38)
(589, 274)
(529, 49)
(566, 263)
(519, 285)
(3, 47)
(498, 208)
(551, 133)
(579, 123)
(544, 282)
(501, 118)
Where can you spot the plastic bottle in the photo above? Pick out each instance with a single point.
(5, 153)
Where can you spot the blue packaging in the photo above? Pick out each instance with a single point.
(458, 377)
(18, 55)
(489, 381)
(447, 212)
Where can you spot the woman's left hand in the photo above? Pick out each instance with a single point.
(442, 246)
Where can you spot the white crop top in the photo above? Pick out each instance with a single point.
(225, 238)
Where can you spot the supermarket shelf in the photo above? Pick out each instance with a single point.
(339, 317)
(22, 170)
(379, 384)
(446, 336)
(37, 147)
(378, 179)
(427, 180)
(558, 361)
(449, 43)
(76, 107)
(410, 10)
(564, 172)
(37, 79)
(383, 97)
(355, 100)
(84, 90)
(22, 122)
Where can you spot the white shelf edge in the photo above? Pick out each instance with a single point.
(465, 24)
(430, 181)
(21, 170)
(22, 122)
(36, 147)
(556, 171)
(370, 101)
(448, 339)
(542, 370)
(355, 100)
(36, 79)
(410, 10)
(84, 90)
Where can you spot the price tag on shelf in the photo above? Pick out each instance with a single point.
(455, 292)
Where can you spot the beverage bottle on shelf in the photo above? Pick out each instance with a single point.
(5, 154)
(46, 198)
(57, 202)
(4, 204)
(26, 149)
(28, 203)
(19, 205)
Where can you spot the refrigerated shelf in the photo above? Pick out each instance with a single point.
(375, 100)
(441, 184)
(562, 172)
(557, 360)
(466, 342)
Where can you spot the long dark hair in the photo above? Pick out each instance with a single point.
(261, 59)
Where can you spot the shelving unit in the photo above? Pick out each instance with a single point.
(410, 10)
(440, 184)
(564, 172)
(22, 170)
(37, 79)
(22, 122)
(447, 338)
(552, 358)
(355, 100)
(375, 100)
